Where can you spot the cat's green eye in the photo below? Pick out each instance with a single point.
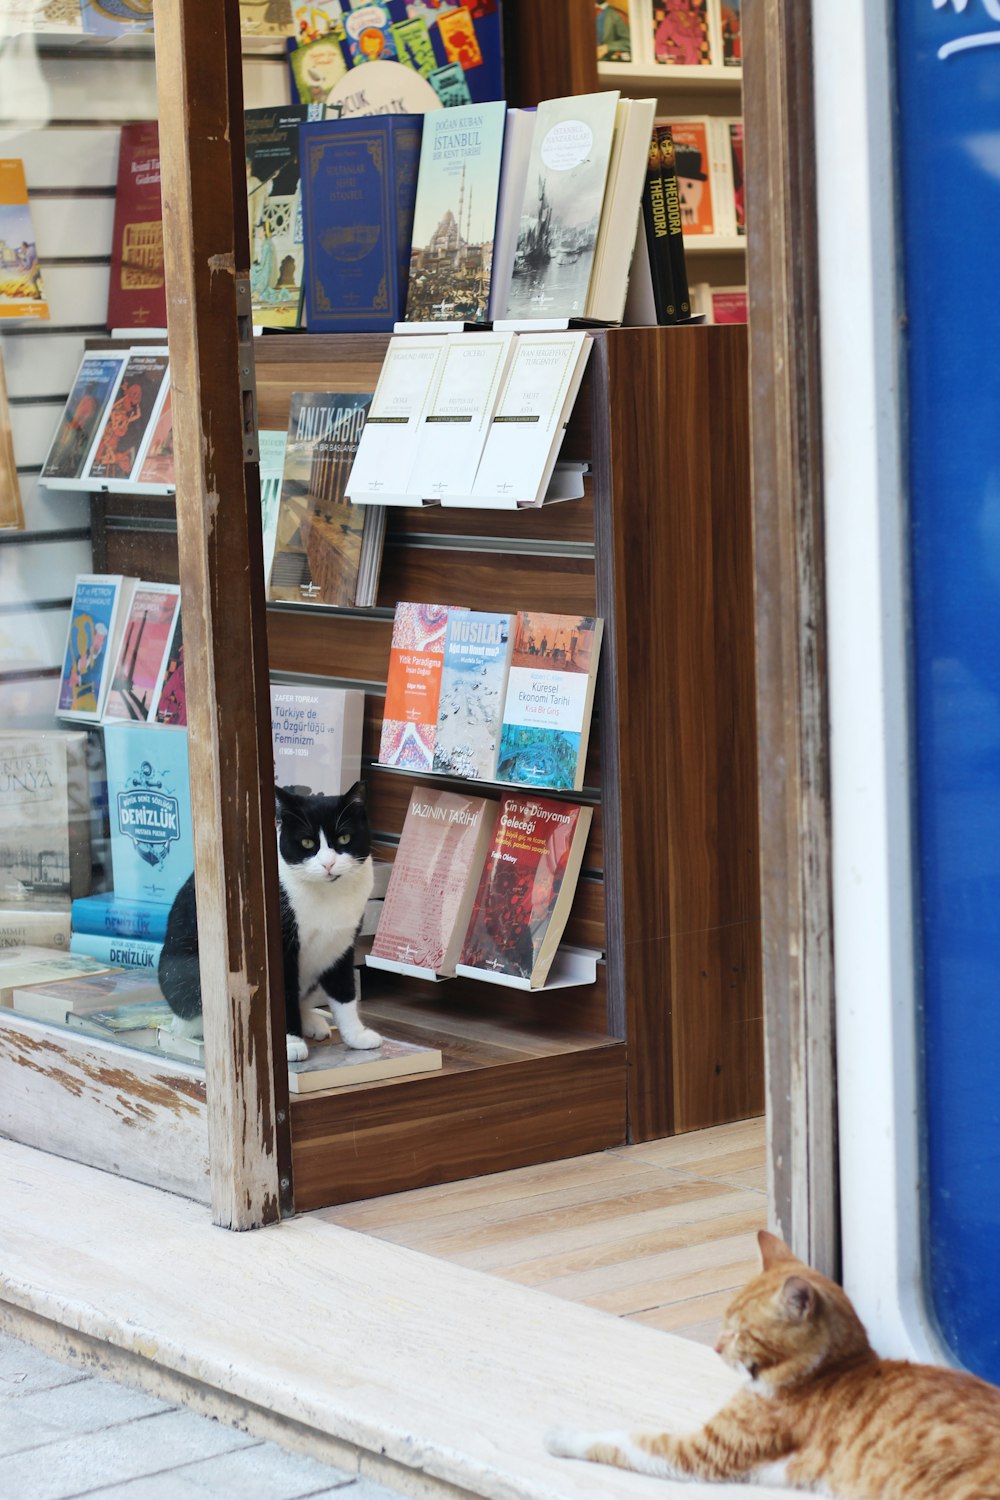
(308, 843)
(343, 838)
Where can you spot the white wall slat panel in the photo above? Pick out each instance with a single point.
(61, 156)
(41, 364)
(29, 704)
(42, 570)
(266, 81)
(52, 510)
(31, 639)
(33, 428)
(87, 86)
(77, 296)
(72, 228)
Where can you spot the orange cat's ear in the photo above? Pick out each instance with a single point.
(798, 1299)
(772, 1250)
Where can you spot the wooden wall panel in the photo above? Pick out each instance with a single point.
(486, 581)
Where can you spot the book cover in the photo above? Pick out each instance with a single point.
(140, 954)
(50, 16)
(134, 1023)
(21, 292)
(477, 651)
(29, 965)
(433, 880)
(454, 218)
(41, 926)
(171, 701)
(116, 17)
(614, 31)
(729, 304)
(692, 159)
(413, 686)
(455, 423)
(149, 807)
(156, 461)
(274, 207)
(654, 215)
(316, 734)
(518, 134)
(550, 695)
(389, 438)
(44, 816)
(608, 289)
(734, 129)
(682, 34)
(731, 31)
(266, 18)
(96, 381)
(95, 615)
(137, 292)
(132, 409)
(526, 889)
(142, 655)
(57, 999)
(271, 445)
(11, 505)
(675, 223)
(317, 64)
(413, 54)
(109, 915)
(369, 35)
(320, 535)
(331, 1065)
(359, 179)
(561, 212)
(528, 426)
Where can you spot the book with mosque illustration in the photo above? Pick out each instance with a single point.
(274, 206)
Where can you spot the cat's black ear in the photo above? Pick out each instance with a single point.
(285, 801)
(357, 793)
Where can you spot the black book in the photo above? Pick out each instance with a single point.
(675, 236)
(654, 213)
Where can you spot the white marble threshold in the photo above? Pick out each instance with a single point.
(429, 1377)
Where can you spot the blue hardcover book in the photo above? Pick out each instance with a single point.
(108, 916)
(119, 953)
(473, 682)
(149, 808)
(359, 181)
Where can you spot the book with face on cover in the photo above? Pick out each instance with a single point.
(21, 292)
(413, 686)
(526, 890)
(133, 408)
(142, 656)
(550, 697)
(473, 681)
(137, 290)
(44, 816)
(456, 420)
(433, 881)
(388, 442)
(96, 621)
(693, 145)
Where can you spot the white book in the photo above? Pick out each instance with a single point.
(640, 304)
(457, 419)
(527, 430)
(513, 176)
(316, 736)
(634, 120)
(389, 437)
(722, 178)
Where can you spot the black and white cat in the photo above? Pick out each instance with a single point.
(325, 871)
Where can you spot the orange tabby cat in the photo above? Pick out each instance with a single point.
(821, 1411)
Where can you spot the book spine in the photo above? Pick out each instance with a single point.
(654, 217)
(122, 953)
(116, 920)
(675, 237)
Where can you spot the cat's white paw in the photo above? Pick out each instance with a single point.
(567, 1442)
(314, 1024)
(296, 1048)
(190, 1027)
(364, 1039)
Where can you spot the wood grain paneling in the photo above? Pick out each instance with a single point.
(550, 51)
(329, 644)
(564, 585)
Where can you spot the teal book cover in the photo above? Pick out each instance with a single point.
(359, 179)
(105, 914)
(473, 681)
(149, 805)
(454, 219)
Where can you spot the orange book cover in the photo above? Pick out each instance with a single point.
(694, 182)
(413, 686)
(21, 291)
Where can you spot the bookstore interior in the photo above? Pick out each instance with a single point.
(432, 638)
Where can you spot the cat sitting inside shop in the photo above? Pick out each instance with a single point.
(821, 1412)
(325, 873)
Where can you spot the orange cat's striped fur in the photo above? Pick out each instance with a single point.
(821, 1412)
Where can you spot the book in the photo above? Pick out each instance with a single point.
(271, 445)
(324, 546)
(413, 686)
(331, 1065)
(517, 137)
(317, 64)
(433, 881)
(274, 207)
(96, 622)
(693, 159)
(561, 210)
(57, 17)
(550, 697)
(477, 651)
(136, 1023)
(731, 32)
(56, 999)
(137, 292)
(134, 406)
(141, 662)
(119, 952)
(175, 1044)
(38, 926)
(108, 915)
(455, 422)
(657, 233)
(675, 222)
(11, 505)
(149, 808)
(359, 181)
(171, 701)
(454, 216)
(30, 965)
(614, 32)
(316, 735)
(608, 287)
(728, 304)
(727, 165)
(96, 382)
(116, 17)
(21, 292)
(529, 423)
(389, 437)
(266, 18)
(682, 33)
(526, 889)
(155, 464)
(44, 816)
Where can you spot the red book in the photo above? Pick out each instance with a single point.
(527, 888)
(434, 878)
(138, 296)
(413, 687)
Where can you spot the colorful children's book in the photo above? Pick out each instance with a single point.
(455, 214)
(134, 407)
(550, 697)
(409, 720)
(136, 954)
(316, 734)
(359, 180)
(21, 292)
(149, 806)
(171, 703)
(433, 882)
(96, 621)
(473, 684)
(96, 382)
(137, 295)
(526, 889)
(274, 205)
(142, 657)
(44, 816)
(110, 916)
